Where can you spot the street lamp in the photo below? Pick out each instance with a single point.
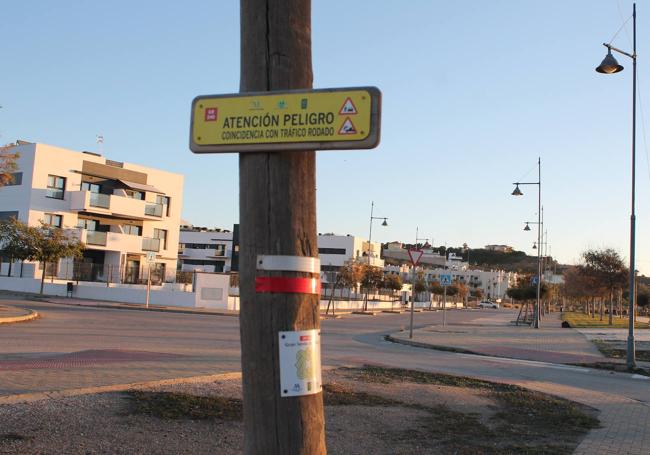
(609, 65)
(385, 223)
(518, 192)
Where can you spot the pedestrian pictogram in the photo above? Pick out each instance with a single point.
(415, 256)
(348, 107)
(445, 280)
(348, 127)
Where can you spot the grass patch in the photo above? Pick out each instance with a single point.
(338, 395)
(525, 412)
(581, 320)
(609, 349)
(547, 424)
(170, 405)
(387, 375)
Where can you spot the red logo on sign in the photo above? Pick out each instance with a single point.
(305, 337)
(211, 114)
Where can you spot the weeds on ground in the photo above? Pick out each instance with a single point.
(581, 320)
(609, 349)
(170, 405)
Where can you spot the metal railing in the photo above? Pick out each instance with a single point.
(153, 210)
(100, 200)
(150, 244)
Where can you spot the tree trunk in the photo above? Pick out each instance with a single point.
(11, 262)
(278, 217)
(611, 307)
(43, 276)
(600, 308)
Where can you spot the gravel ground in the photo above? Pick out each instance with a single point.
(107, 423)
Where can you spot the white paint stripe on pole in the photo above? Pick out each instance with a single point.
(288, 263)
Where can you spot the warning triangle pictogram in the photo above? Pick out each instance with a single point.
(348, 107)
(348, 127)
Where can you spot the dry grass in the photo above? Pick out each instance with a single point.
(581, 320)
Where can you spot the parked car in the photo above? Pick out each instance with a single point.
(488, 304)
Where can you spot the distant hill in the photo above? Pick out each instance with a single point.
(513, 261)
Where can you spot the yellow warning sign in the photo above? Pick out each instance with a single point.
(302, 119)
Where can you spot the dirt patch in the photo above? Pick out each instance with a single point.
(368, 410)
(615, 349)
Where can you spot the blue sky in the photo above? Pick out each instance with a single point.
(473, 93)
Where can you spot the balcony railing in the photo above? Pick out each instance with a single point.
(153, 210)
(150, 244)
(100, 200)
(96, 238)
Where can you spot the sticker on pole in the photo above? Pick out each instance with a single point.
(445, 280)
(415, 256)
(300, 369)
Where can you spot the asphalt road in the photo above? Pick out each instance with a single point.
(208, 344)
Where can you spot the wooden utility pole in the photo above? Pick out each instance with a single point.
(277, 204)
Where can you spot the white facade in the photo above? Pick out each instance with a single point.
(493, 283)
(204, 250)
(121, 211)
(335, 250)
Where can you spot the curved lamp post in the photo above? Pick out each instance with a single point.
(385, 223)
(517, 192)
(609, 65)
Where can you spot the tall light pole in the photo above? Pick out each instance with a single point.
(609, 65)
(385, 223)
(517, 192)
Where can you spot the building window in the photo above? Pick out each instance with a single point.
(8, 215)
(165, 201)
(16, 178)
(90, 225)
(131, 229)
(331, 251)
(53, 220)
(55, 186)
(139, 195)
(92, 187)
(161, 234)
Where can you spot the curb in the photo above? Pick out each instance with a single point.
(118, 306)
(31, 315)
(434, 347)
(38, 396)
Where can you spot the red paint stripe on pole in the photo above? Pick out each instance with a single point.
(288, 285)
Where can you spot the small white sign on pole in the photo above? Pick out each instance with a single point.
(151, 257)
(300, 368)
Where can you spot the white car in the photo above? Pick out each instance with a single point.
(487, 304)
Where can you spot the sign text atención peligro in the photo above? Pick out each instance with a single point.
(347, 118)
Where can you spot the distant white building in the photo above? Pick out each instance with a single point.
(123, 212)
(335, 251)
(493, 283)
(204, 250)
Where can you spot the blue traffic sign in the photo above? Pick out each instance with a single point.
(445, 280)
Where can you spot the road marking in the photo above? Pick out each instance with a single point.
(528, 362)
(639, 376)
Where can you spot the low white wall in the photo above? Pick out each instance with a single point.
(159, 296)
(212, 290)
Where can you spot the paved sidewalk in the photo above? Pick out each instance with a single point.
(499, 338)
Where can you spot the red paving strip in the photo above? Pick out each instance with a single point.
(87, 358)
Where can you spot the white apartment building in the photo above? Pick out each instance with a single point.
(493, 283)
(335, 250)
(204, 250)
(121, 211)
